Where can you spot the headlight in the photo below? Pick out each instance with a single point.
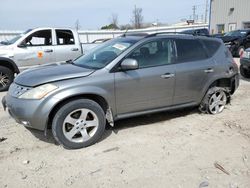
(38, 92)
(246, 55)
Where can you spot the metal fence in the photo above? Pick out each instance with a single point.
(89, 36)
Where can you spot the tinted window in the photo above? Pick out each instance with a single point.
(212, 46)
(189, 50)
(154, 53)
(64, 37)
(39, 38)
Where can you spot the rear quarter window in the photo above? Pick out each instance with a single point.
(189, 50)
(212, 46)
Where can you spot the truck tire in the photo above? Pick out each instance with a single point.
(79, 123)
(6, 78)
(244, 72)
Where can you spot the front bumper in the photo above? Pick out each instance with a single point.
(26, 112)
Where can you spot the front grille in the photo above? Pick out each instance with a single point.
(17, 90)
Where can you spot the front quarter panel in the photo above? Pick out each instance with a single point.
(96, 84)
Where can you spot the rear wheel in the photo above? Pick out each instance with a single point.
(79, 124)
(244, 72)
(6, 78)
(215, 101)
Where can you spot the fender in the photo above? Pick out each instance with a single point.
(63, 95)
(205, 89)
(9, 63)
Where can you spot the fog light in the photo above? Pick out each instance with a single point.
(25, 123)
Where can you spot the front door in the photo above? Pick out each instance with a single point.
(152, 85)
(36, 49)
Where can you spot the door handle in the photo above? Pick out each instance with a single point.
(210, 70)
(48, 50)
(74, 49)
(167, 75)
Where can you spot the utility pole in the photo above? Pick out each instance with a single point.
(206, 11)
(194, 13)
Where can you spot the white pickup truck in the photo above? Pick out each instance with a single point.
(35, 47)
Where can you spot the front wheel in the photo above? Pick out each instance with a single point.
(214, 101)
(244, 72)
(79, 124)
(6, 78)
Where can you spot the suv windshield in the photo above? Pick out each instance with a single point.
(13, 40)
(105, 53)
(239, 33)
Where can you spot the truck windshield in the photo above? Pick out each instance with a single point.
(13, 40)
(236, 33)
(104, 54)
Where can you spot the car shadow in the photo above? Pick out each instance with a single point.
(152, 118)
(245, 79)
(41, 136)
(120, 125)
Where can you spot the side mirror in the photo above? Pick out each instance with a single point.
(22, 45)
(129, 64)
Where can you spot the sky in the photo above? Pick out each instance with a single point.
(92, 14)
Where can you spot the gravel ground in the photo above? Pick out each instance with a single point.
(182, 149)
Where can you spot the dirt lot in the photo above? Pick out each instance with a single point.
(172, 149)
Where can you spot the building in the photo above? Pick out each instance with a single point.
(228, 15)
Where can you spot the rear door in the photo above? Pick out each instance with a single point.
(193, 70)
(152, 85)
(67, 45)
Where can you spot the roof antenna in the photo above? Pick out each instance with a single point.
(124, 34)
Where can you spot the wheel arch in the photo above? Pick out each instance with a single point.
(95, 97)
(6, 62)
(227, 83)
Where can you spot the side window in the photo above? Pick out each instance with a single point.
(39, 38)
(189, 50)
(212, 46)
(64, 37)
(154, 53)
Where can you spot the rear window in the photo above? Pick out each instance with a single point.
(189, 50)
(212, 46)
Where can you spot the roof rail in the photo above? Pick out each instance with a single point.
(161, 33)
(135, 34)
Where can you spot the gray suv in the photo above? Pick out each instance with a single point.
(124, 77)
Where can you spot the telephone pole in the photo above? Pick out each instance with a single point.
(206, 11)
(194, 13)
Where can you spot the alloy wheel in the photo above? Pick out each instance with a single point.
(217, 102)
(80, 125)
(4, 80)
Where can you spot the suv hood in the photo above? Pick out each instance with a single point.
(229, 38)
(51, 73)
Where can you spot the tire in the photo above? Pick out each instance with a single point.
(214, 101)
(6, 78)
(78, 124)
(244, 72)
(240, 50)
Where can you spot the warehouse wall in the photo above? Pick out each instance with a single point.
(234, 14)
